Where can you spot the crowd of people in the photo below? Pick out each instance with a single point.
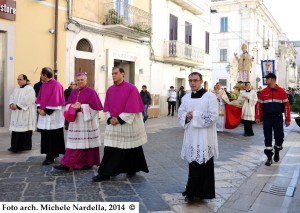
(46, 107)
(201, 113)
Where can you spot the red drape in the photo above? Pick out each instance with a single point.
(233, 116)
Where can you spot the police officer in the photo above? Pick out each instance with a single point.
(272, 103)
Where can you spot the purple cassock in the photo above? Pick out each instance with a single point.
(81, 158)
(123, 98)
(51, 94)
(87, 96)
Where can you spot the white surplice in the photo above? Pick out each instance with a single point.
(23, 119)
(200, 141)
(248, 111)
(54, 121)
(222, 100)
(129, 135)
(84, 132)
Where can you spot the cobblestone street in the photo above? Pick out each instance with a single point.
(23, 178)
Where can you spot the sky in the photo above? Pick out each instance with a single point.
(287, 15)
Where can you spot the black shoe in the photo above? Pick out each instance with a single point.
(13, 150)
(269, 153)
(245, 134)
(47, 162)
(100, 178)
(86, 167)
(61, 167)
(268, 162)
(168, 114)
(183, 193)
(276, 155)
(130, 175)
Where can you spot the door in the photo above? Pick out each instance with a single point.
(129, 68)
(87, 66)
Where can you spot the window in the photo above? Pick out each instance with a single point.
(224, 24)
(223, 82)
(173, 27)
(188, 33)
(84, 45)
(122, 8)
(207, 42)
(272, 41)
(223, 54)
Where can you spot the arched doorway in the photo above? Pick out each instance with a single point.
(85, 65)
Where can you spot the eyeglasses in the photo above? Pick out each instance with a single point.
(20, 79)
(194, 81)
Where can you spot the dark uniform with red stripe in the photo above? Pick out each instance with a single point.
(271, 104)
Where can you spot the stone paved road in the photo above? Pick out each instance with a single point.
(159, 190)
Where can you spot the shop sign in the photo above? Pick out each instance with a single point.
(8, 9)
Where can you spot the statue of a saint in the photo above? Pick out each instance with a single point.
(244, 65)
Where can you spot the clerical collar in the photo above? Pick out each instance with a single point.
(23, 86)
(198, 94)
(248, 90)
(197, 90)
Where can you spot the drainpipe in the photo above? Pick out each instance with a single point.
(55, 39)
(150, 46)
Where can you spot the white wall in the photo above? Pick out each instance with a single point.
(242, 28)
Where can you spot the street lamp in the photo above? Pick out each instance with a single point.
(228, 68)
(55, 39)
(257, 81)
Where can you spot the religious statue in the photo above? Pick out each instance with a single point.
(244, 65)
(268, 67)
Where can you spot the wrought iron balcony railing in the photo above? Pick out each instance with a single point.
(118, 12)
(184, 51)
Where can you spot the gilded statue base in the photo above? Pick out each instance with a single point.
(239, 86)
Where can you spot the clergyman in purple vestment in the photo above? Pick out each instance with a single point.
(83, 140)
(50, 103)
(125, 132)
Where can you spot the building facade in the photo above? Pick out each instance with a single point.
(104, 34)
(237, 22)
(296, 45)
(180, 44)
(27, 44)
(286, 63)
(138, 36)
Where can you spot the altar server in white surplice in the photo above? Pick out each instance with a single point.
(23, 115)
(222, 100)
(198, 114)
(249, 98)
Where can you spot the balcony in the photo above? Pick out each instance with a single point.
(183, 54)
(126, 20)
(190, 5)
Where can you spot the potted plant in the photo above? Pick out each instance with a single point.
(112, 17)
